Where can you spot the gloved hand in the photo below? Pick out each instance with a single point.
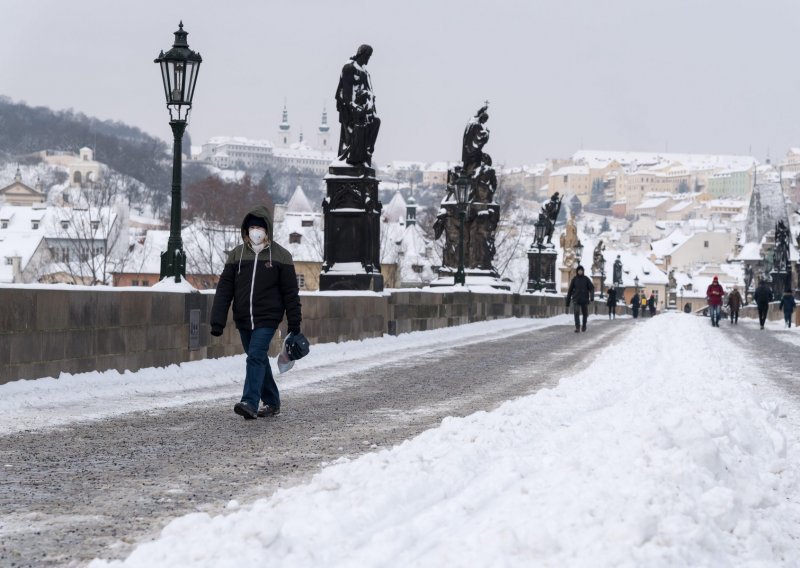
(216, 331)
(297, 345)
(567, 302)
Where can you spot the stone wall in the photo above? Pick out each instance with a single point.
(45, 331)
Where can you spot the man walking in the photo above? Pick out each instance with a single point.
(611, 302)
(734, 303)
(714, 295)
(581, 290)
(762, 296)
(259, 278)
(635, 305)
(651, 304)
(787, 305)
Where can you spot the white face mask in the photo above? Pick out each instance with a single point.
(257, 235)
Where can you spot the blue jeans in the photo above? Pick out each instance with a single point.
(258, 381)
(714, 312)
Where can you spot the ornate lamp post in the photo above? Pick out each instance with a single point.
(539, 231)
(578, 255)
(462, 191)
(179, 68)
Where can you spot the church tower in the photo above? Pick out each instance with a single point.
(324, 133)
(284, 130)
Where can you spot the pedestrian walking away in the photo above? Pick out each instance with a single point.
(581, 291)
(644, 304)
(259, 278)
(714, 295)
(651, 304)
(635, 305)
(762, 296)
(611, 302)
(734, 303)
(788, 304)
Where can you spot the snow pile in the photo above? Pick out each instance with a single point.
(660, 456)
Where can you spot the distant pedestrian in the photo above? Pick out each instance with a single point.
(581, 290)
(714, 295)
(259, 278)
(635, 305)
(611, 302)
(734, 303)
(787, 305)
(651, 304)
(762, 296)
(644, 304)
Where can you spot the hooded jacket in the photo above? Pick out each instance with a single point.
(262, 285)
(763, 294)
(580, 289)
(714, 293)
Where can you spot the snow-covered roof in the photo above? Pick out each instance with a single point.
(667, 245)
(601, 158)
(239, 141)
(634, 265)
(299, 202)
(680, 206)
(652, 203)
(571, 170)
(395, 210)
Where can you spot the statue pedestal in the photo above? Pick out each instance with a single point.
(599, 288)
(351, 209)
(472, 277)
(541, 269)
(780, 283)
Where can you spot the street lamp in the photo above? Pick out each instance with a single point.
(539, 230)
(179, 68)
(578, 254)
(682, 306)
(462, 191)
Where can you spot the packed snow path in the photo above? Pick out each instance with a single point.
(93, 489)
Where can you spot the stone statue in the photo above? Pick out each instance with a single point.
(482, 212)
(618, 271)
(476, 135)
(781, 257)
(598, 262)
(548, 215)
(673, 284)
(355, 101)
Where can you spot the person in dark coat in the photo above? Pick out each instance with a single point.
(762, 296)
(651, 304)
(259, 278)
(635, 303)
(581, 290)
(714, 295)
(734, 304)
(611, 302)
(788, 304)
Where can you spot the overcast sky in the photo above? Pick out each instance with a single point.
(710, 76)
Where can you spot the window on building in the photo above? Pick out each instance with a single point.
(307, 223)
(4, 224)
(295, 238)
(34, 225)
(134, 282)
(416, 268)
(705, 244)
(65, 224)
(64, 255)
(566, 178)
(145, 283)
(95, 225)
(301, 280)
(77, 177)
(8, 260)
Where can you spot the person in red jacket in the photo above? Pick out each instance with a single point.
(714, 295)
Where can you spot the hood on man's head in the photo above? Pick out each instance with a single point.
(580, 268)
(260, 217)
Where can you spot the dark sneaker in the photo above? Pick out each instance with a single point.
(583, 328)
(577, 330)
(268, 410)
(245, 410)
